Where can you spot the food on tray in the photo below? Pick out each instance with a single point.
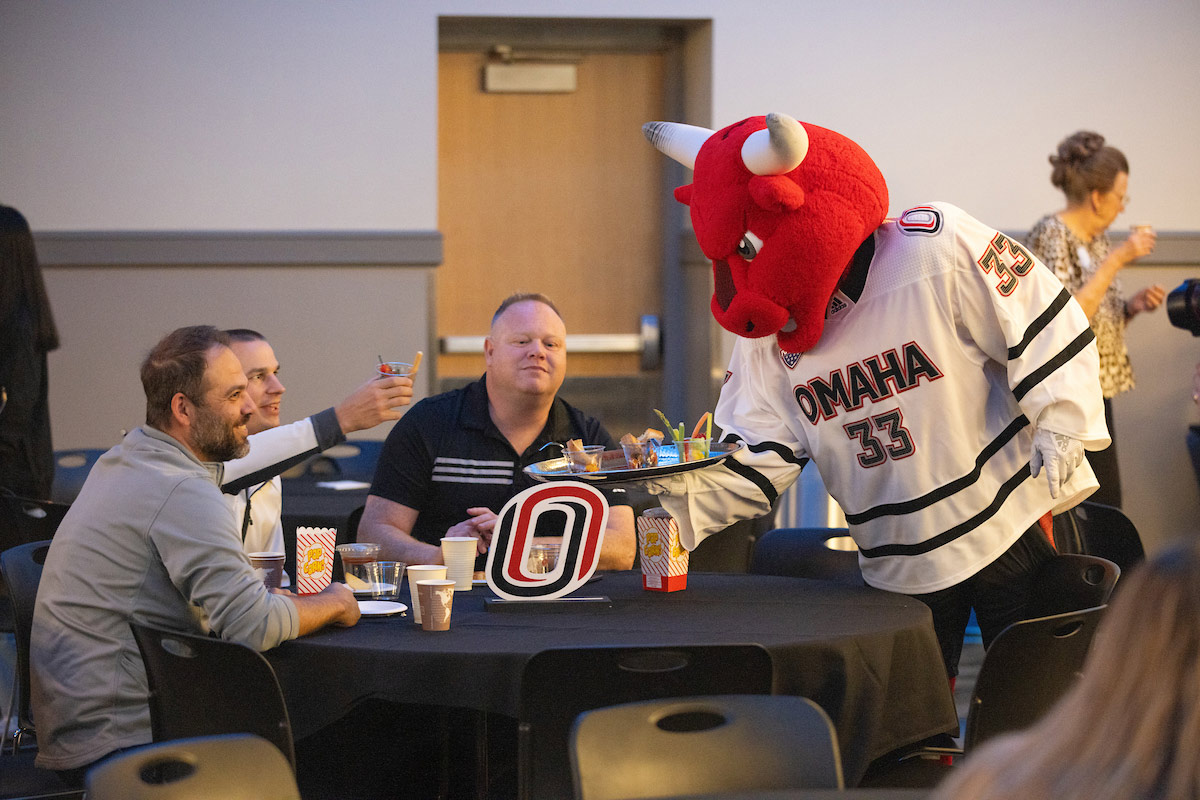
(583, 457)
(694, 447)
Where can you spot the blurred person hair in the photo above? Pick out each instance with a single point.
(21, 283)
(1131, 727)
(178, 364)
(1085, 164)
(244, 335)
(521, 297)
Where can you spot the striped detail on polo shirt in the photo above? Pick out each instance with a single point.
(469, 470)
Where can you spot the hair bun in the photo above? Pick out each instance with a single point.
(1078, 148)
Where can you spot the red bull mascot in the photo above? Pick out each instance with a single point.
(929, 365)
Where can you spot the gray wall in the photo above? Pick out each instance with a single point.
(299, 116)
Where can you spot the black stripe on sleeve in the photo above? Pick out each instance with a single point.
(1039, 324)
(961, 529)
(783, 452)
(754, 476)
(945, 490)
(1038, 375)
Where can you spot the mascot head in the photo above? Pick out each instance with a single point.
(780, 207)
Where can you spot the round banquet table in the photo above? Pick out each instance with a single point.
(868, 657)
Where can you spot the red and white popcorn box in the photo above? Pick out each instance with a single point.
(314, 558)
(663, 557)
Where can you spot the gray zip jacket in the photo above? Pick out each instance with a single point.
(150, 538)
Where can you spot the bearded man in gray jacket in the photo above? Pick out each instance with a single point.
(151, 539)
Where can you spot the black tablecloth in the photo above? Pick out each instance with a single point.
(869, 658)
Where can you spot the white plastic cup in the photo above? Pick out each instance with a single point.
(458, 552)
(422, 572)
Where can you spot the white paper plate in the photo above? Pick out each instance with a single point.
(380, 608)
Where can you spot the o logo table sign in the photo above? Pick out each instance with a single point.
(576, 510)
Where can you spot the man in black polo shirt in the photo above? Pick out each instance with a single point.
(450, 464)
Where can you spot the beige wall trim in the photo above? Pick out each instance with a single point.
(1174, 249)
(215, 248)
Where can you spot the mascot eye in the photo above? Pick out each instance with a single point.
(749, 246)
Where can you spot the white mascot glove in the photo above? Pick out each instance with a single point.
(1059, 453)
(664, 484)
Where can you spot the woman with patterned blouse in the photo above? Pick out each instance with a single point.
(1073, 242)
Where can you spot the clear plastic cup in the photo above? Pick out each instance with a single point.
(692, 449)
(383, 579)
(640, 455)
(586, 460)
(543, 557)
(394, 369)
(355, 557)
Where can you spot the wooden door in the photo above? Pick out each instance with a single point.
(559, 194)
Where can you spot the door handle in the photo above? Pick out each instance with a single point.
(647, 343)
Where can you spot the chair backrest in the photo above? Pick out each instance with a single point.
(821, 553)
(21, 567)
(200, 686)
(24, 520)
(558, 685)
(1105, 531)
(71, 468)
(1029, 666)
(704, 745)
(356, 458)
(231, 767)
(1071, 582)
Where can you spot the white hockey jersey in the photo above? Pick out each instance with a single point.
(939, 352)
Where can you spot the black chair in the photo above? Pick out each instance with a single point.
(24, 520)
(201, 686)
(1071, 582)
(350, 460)
(558, 685)
(230, 767)
(1028, 668)
(704, 745)
(820, 553)
(356, 459)
(21, 567)
(1100, 530)
(71, 468)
